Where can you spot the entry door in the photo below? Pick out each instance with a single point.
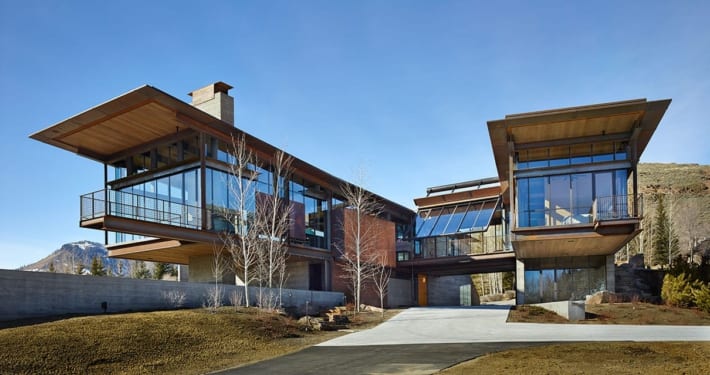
(421, 288)
(315, 276)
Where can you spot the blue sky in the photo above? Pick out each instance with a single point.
(402, 89)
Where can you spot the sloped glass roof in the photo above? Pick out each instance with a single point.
(461, 218)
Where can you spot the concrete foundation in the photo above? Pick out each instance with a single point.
(519, 282)
(570, 310)
(201, 270)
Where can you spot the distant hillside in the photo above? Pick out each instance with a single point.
(684, 179)
(70, 255)
(687, 188)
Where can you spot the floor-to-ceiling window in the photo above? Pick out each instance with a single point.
(566, 199)
(461, 229)
(564, 278)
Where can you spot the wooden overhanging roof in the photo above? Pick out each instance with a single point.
(112, 130)
(626, 120)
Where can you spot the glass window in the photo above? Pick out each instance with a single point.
(523, 203)
(582, 198)
(427, 223)
(580, 154)
(469, 221)
(559, 209)
(456, 218)
(484, 218)
(443, 221)
(536, 204)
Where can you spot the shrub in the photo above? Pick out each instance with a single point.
(677, 290)
(174, 298)
(701, 296)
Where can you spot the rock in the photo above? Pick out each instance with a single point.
(364, 307)
(600, 297)
(309, 323)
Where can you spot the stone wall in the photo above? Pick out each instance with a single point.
(37, 294)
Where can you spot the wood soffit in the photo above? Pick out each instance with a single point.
(615, 118)
(148, 114)
(458, 197)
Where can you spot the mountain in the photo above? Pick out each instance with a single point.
(70, 255)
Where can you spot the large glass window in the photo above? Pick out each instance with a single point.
(563, 279)
(309, 210)
(462, 229)
(569, 198)
(556, 156)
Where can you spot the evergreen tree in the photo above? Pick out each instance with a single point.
(160, 270)
(140, 271)
(97, 267)
(51, 267)
(79, 270)
(664, 238)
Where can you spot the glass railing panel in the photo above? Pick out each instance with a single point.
(138, 207)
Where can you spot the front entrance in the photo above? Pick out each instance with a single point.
(315, 276)
(421, 290)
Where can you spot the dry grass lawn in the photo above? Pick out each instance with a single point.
(175, 342)
(605, 357)
(594, 358)
(616, 313)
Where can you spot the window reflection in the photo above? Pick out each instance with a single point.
(570, 198)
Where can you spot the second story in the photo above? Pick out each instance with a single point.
(572, 172)
(170, 174)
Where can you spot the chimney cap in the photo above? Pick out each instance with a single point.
(218, 86)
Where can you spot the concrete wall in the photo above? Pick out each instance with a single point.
(36, 294)
(297, 275)
(519, 282)
(399, 293)
(570, 310)
(445, 290)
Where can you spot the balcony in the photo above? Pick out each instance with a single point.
(609, 208)
(114, 203)
(602, 229)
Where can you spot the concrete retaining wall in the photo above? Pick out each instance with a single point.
(571, 310)
(37, 294)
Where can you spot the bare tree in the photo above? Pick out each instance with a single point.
(219, 267)
(273, 219)
(687, 217)
(358, 249)
(242, 243)
(381, 279)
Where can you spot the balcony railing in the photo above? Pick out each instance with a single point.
(137, 207)
(617, 207)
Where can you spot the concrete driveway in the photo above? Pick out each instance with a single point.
(439, 325)
(426, 340)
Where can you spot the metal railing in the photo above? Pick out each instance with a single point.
(109, 202)
(617, 207)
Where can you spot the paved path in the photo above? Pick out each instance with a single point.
(426, 340)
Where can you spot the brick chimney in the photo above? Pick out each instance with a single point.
(215, 100)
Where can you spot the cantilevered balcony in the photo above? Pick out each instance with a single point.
(108, 202)
(602, 229)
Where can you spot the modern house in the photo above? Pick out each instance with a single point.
(167, 167)
(569, 179)
(564, 201)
